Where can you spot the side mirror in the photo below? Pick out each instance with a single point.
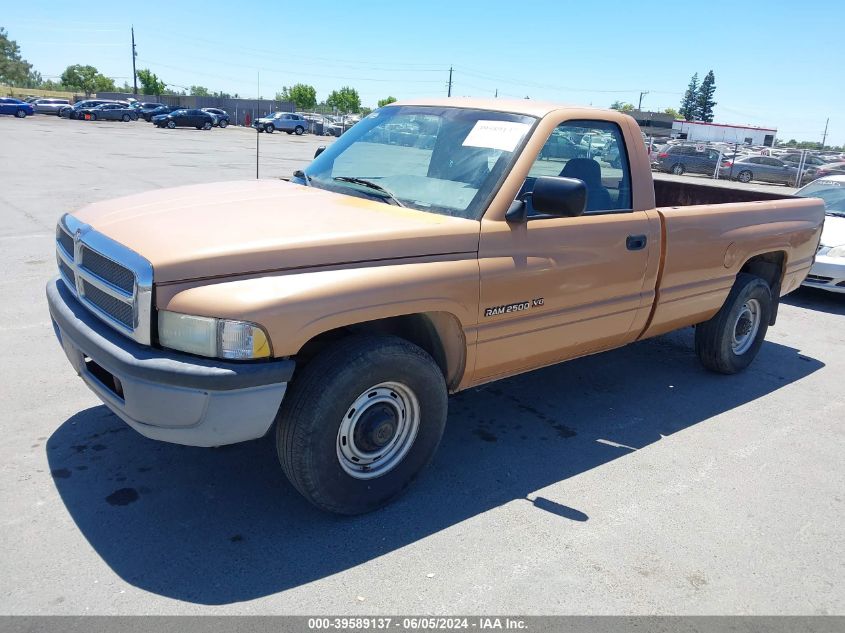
(555, 196)
(320, 150)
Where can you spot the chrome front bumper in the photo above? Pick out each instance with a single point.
(166, 395)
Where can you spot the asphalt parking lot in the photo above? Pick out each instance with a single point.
(631, 482)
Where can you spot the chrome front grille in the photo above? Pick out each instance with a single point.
(107, 270)
(112, 281)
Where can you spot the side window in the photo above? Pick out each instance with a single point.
(591, 151)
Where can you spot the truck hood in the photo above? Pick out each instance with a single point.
(233, 228)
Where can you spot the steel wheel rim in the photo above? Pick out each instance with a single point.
(353, 455)
(746, 327)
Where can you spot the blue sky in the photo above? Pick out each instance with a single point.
(777, 63)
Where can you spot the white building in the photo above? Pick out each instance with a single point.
(721, 132)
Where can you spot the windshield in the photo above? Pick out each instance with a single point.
(443, 160)
(831, 191)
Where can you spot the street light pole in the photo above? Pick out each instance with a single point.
(134, 55)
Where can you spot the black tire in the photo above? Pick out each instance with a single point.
(745, 176)
(317, 404)
(299, 130)
(207, 125)
(288, 132)
(126, 118)
(678, 169)
(21, 114)
(715, 341)
(93, 117)
(223, 123)
(171, 124)
(269, 128)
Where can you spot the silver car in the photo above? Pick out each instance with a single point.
(282, 121)
(49, 106)
(761, 168)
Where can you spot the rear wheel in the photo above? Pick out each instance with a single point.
(729, 341)
(745, 176)
(678, 169)
(92, 117)
(360, 422)
(126, 118)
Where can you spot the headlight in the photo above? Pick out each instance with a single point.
(839, 251)
(216, 338)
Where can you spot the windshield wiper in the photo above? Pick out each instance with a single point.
(371, 185)
(301, 174)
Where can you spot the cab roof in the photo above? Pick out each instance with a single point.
(529, 107)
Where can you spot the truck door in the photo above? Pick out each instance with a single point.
(555, 288)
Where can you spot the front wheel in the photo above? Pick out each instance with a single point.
(269, 128)
(171, 124)
(223, 123)
(21, 114)
(206, 125)
(299, 130)
(360, 422)
(729, 341)
(745, 176)
(126, 118)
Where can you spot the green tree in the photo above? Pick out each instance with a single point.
(13, 68)
(672, 112)
(385, 101)
(87, 79)
(704, 99)
(199, 91)
(346, 100)
(622, 106)
(151, 84)
(687, 109)
(302, 95)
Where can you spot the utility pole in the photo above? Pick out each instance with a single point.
(824, 136)
(134, 55)
(640, 105)
(496, 96)
(449, 94)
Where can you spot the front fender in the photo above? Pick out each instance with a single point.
(294, 307)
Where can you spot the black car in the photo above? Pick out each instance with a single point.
(72, 112)
(185, 118)
(156, 109)
(221, 117)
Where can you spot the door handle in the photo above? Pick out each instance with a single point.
(636, 242)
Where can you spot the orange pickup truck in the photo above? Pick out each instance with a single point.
(435, 246)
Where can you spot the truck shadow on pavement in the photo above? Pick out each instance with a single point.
(221, 526)
(816, 299)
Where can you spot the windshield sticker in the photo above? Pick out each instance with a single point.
(503, 135)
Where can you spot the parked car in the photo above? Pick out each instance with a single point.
(809, 160)
(16, 107)
(828, 271)
(761, 168)
(148, 113)
(282, 121)
(693, 159)
(190, 334)
(831, 169)
(72, 112)
(49, 106)
(560, 146)
(221, 117)
(185, 118)
(108, 112)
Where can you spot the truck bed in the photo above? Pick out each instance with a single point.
(672, 193)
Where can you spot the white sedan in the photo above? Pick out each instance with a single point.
(829, 270)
